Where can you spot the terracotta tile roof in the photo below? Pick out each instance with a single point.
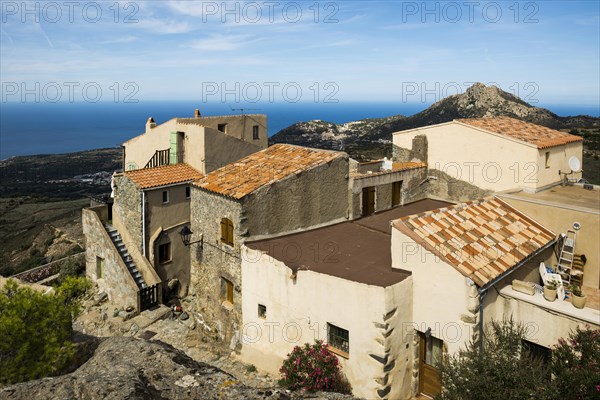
(272, 164)
(167, 175)
(481, 239)
(540, 136)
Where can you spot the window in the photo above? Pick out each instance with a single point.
(188, 192)
(164, 253)
(338, 340)
(255, 132)
(222, 128)
(226, 290)
(433, 351)
(262, 311)
(227, 231)
(165, 196)
(547, 159)
(99, 267)
(536, 352)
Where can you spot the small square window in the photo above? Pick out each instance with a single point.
(165, 196)
(262, 311)
(222, 127)
(339, 340)
(164, 253)
(255, 132)
(188, 192)
(547, 159)
(226, 290)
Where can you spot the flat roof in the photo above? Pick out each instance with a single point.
(573, 197)
(382, 221)
(358, 251)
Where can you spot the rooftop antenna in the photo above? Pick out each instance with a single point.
(244, 109)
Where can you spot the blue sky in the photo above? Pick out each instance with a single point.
(546, 51)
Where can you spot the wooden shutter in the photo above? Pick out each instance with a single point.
(230, 232)
(224, 230)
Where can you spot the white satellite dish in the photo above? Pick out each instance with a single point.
(574, 164)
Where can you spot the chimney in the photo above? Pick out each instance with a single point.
(150, 124)
(197, 113)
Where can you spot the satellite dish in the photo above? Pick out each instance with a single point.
(574, 164)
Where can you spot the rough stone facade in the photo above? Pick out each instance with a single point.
(448, 188)
(413, 189)
(116, 280)
(127, 209)
(311, 198)
(213, 260)
(418, 152)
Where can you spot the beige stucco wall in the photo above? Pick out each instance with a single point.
(558, 161)
(559, 219)
(205, 148)
(489, 161)
(168, 219)
(298, 312)
(441, 295)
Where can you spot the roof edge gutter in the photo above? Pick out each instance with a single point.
(482, 291)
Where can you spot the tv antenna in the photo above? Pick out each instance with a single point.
(244, 109)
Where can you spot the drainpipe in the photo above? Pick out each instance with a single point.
(482, 291)
(144, 223)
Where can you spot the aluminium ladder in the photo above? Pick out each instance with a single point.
(567, 254)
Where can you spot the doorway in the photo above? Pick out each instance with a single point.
(396, 193)
(430, 358)
(368, 201)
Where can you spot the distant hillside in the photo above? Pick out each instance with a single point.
(66, 176)
(372, 138)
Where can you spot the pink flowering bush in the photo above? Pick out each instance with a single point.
(313, 368)
(576, 366)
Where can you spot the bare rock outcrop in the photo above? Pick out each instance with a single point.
(130, 368)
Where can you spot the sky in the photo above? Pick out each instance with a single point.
(547, 52)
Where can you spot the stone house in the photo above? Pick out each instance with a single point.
(205, 143)
(379, 185)
(283, 188)
(462, 260)
(472, 156)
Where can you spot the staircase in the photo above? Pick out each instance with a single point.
(120, 246)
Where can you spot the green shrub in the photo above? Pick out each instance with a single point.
(70, 268)
(313, 368)
(503, 371)
(35, 332)
(72, 290)
(576, 366)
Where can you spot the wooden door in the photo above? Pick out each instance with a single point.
(430, 358)
(396, 193)
(368, 201)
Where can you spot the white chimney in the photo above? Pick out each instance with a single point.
(150, 124)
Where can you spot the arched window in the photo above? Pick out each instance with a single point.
(227, 231)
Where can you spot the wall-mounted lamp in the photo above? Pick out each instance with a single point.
(428, 333)
(186, 235)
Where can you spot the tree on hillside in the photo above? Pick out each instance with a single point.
(503, 371)
(36, 330)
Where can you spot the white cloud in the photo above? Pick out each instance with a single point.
(219, 42)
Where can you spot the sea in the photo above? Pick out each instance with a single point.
(53, 128)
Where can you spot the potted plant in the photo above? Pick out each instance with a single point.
(550, 290)
(578, 297)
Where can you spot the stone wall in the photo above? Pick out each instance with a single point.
(418, 151)
(310, 198)
(447, 188)
(116, 280)
(127, 210)
(413, 189)
(213, 260)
